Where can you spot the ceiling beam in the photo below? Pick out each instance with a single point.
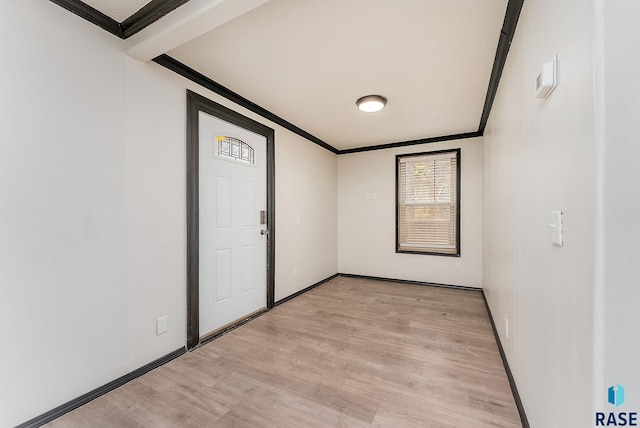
(146, 16)
(92, 15)
(506, 36)
(184, 24)
(200, 16)
(149, 14)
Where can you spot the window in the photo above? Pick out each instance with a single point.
(428, 203)
(235, 149)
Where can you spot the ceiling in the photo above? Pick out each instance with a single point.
(308, 61)
(117, 9)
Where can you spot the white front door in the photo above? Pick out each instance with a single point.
(233, 252)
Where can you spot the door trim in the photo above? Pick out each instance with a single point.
(195, 104)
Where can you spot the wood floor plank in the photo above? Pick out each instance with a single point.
(351, 352)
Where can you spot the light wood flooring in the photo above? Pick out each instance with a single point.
(351, 352)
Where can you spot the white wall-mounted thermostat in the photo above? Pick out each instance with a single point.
(547, 79)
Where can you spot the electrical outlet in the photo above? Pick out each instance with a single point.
(295, 272)
(161, 325)
(458, 266)
(506, 327)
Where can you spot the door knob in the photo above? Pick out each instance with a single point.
(264, 232)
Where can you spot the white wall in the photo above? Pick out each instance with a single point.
(92, 215)
(617, 348)
(540, 157)
(306, 188)
(366, 227)
(64, 306)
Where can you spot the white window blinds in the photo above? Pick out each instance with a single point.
(428, 203)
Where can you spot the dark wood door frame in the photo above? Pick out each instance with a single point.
(195, 104)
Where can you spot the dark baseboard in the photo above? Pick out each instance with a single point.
(512, 382)
(406, 281)
(311, 287)
(84, 399)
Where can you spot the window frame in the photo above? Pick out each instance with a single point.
(430, 251)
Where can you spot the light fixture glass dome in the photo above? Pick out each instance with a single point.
(371, 103)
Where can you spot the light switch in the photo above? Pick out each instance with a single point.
(556, 228)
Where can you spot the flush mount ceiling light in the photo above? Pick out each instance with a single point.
(371, 103)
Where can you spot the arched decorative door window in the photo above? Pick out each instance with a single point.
(234, 149)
